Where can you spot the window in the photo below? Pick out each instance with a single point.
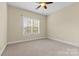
(31, 25)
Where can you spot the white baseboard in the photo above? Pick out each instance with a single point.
(25, 40)
(63, 41)
(2, 49)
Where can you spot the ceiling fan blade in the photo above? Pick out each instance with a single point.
(38, 6)
(48, 2)
(45, 7)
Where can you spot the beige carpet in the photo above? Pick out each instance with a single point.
(43, 47)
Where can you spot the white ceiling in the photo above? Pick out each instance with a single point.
(31, 6)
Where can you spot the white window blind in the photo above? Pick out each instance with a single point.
(31, 25)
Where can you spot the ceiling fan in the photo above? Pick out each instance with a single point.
(43, 4)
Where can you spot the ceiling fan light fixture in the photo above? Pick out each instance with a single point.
(43, 4)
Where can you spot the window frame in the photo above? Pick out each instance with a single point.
(31, 33)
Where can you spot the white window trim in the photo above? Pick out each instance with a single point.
(33, 32)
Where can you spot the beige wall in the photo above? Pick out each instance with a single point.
(15, 32)
(64, 24)
(3, 26)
